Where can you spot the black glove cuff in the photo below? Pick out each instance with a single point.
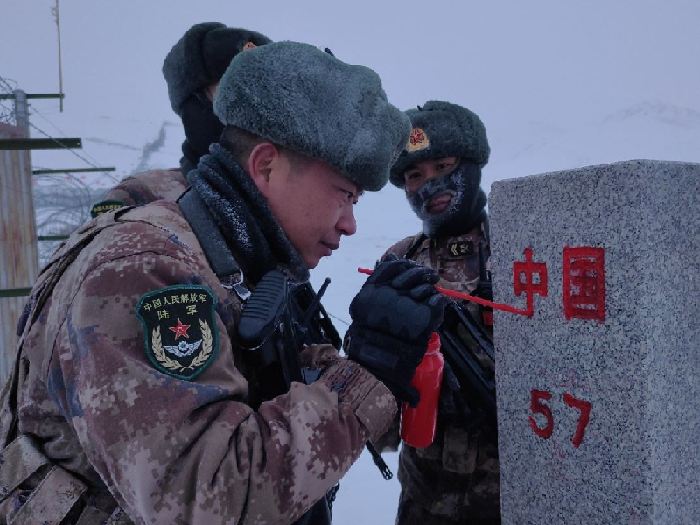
(390, 359)
(377, 350)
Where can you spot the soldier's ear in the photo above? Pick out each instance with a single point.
(261, 163)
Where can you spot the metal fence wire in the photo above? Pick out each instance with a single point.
(7, 106)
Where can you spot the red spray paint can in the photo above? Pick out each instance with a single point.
(418, 424)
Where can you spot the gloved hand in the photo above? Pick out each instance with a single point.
(393, 316)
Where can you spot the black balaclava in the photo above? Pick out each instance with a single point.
(202, 127)
(466, 209)
(196, 62)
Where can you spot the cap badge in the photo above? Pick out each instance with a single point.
(417, 140)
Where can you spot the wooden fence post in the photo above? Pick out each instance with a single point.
(19, 260)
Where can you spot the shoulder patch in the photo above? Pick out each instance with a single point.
(179, 327)
(105, 206)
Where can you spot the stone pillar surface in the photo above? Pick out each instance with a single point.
(599, 388)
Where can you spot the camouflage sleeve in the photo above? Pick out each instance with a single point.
(391, 439)
(319, 356)
(178, 451)
(132, 191)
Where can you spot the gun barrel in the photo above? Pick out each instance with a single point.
(475, 330)
(477, 385)
(469, 374)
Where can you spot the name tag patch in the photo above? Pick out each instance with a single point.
(460, 249)
(104, 207)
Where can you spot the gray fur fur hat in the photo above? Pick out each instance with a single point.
(202, 55)
(299, 97)
(441, 129)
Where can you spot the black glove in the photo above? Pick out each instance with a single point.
(393, 316)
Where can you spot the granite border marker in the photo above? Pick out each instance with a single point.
(598, 391)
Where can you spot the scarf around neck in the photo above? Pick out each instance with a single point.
(244, 218)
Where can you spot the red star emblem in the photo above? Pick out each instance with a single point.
(417, 136)
(180, 329)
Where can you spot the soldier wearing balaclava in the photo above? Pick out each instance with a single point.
(192, 70)
(456, 479)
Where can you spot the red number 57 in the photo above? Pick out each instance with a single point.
(539, 406)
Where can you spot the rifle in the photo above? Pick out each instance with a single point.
(468, 348)
(312, 324)
(278, 319)
(468, 351)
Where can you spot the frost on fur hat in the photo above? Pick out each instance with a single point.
(299, 97)
(440, 129)
(202, 55)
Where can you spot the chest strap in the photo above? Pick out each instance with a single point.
(52, 500)
(213, 243)
(18, 461)
(415, 245)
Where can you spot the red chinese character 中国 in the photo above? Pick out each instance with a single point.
(584, 283)
(530, 277)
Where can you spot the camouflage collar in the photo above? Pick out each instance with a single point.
(457, 246)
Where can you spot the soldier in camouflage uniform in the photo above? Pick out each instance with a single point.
(133, 399)
(456, 479)
(192, 70)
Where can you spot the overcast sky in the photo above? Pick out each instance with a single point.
(558, 84)
(553, 63)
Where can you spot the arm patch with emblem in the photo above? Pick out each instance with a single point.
(179, 326)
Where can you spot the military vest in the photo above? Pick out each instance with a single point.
(458, 474)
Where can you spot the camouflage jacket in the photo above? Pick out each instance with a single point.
(142, 188)
(91, 421)
(456, 479)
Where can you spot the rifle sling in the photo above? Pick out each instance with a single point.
(213, 243)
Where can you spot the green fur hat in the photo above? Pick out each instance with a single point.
(202, 55)
(301, 98)
(441, 129)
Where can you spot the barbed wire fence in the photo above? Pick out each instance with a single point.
(62, 202)
(7, 109)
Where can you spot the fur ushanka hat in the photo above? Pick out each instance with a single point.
(202, 55)
(441, 129)
(299, 97)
